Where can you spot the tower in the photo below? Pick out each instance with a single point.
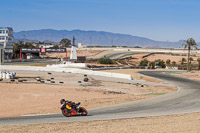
(73, 55)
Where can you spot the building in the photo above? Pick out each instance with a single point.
(80, 45)
(6, 37)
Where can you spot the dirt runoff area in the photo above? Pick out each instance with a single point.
(26, 95)
(186, 123)
(194, 75)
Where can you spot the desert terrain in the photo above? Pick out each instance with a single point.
(183, 123)
(31, 97)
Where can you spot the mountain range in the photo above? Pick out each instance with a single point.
(94, 38)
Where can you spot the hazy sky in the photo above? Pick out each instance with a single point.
(166, 20)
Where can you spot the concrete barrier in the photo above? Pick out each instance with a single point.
(168, 67)
(68, 70)
(68, 64)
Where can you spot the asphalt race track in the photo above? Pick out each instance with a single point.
(185, 100)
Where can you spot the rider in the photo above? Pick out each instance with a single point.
(69, 104)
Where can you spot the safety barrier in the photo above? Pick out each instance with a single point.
(68, 64)
(67, 70)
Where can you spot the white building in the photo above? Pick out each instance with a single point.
(6, 37)
(80, 45)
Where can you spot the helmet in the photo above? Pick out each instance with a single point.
(62, 101)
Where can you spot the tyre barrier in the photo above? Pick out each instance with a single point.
(182, 68)
(7, 75)
(42, 82)
(68, 70)
(86, 80)
(38, 78)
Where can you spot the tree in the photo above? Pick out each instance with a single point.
(55, 46)
(20, 44)
(190, 59)
(174, 63)
(183, 60)
(144, 62)
(190, 43)
(152, 64)
(105, 61)
(160, 63)
(65, 42)
(168, 61)
(198, 62)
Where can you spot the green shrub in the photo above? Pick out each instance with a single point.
(168, 61)
(105, 61)
(144, 62)
(160, 63)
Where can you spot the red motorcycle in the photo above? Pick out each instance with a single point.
(69, 108)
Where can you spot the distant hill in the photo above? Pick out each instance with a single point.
(94, 38)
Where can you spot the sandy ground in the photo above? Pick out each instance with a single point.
(195, 75)
(173, 57)
(176, 58)
(87, 53)
(33, 97)
(186, 123)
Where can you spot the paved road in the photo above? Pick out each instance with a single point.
(119, 55)
(186, 100)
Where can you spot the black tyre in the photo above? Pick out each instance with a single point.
(83, 111)
(66, 113)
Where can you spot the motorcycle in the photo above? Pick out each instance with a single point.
(71, 109)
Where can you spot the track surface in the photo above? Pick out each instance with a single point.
(186, 100)
(119, 55)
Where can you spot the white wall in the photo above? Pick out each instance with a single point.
(69, 70)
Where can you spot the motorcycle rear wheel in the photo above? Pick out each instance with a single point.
(66, 113)
(83, 111)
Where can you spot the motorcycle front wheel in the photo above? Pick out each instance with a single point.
(66, 113)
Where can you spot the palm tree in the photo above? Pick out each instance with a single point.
(190, 43)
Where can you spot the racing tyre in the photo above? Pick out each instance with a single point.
(66, 113)
(83, 111)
